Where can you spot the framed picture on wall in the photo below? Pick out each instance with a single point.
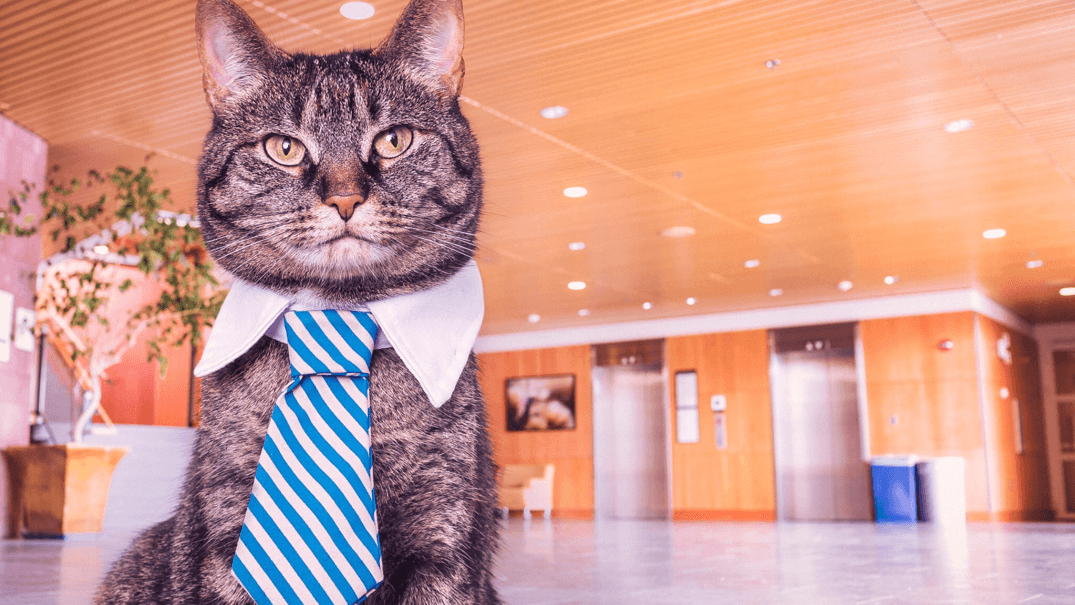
(541, 403)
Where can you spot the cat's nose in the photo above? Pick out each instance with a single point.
(345, 203)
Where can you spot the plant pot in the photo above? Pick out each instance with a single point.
(60, 489)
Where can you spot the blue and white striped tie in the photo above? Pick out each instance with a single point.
(310, 534)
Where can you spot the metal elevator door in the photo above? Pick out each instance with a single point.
(821, 474)
(631, 477)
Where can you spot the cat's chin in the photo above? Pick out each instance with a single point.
(346, 256)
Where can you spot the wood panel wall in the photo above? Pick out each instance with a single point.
(924, 400)
(1019, 480)
(738, 482)
(571, 451)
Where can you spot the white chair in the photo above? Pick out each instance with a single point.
(526, 487)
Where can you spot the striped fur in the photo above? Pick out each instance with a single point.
(272, 225)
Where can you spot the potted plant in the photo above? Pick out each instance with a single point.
(103, 225)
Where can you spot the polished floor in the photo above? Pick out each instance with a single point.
(565, 562)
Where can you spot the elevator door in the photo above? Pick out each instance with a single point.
(631, 478)
(821, 475)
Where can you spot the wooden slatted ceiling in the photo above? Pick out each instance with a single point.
(845, 139)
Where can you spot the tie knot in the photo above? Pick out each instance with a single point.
(330, 342)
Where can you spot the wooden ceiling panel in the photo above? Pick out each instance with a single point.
(674, 119)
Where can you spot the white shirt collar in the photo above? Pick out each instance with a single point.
(433, 331)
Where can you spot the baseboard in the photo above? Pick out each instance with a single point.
(1011, 516)
(572, 513)
(723, 515)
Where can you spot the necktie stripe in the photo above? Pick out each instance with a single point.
(346, 408)
(321, 344)
(352, 350)
(312, 475)
(299, 421)
(297, 552)
(292, 570)
(310, 534)
(343, 443)
(353, 330)
(345, 393)
(311, 350)
(313, 513)
(253, 586)
(259, 559)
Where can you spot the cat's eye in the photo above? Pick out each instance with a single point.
(285, 150)
(393, 141)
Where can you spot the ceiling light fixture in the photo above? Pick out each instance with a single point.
(891, 279)
(692, 300)
(647, 306)
(584, 312)
(575, 191)
(845, 285)
(678, 231)
(770, 219)
(772, 63)
(752, 263)
(959, 125)
(357, 11)
(1069, 291)
(994, 233)
(775, 292)
(576, 285)
(1034, 264)
(556, 111)
(576, 246)
(100, 249)
(533, 318)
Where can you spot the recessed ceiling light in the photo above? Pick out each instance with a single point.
(692, 300)
(752, 263)
(769, 219)
(576, 285)
(772, 63)
(647, 306)
(357, 10)
(958, 125)
(576, 246)
(1069, 291)
(845, 285)
(575, 191)
(891, 279)
(533, 318)
(678, 231)
(775, 292)
(584, 312)
(994, 233)
(1034, 264)
(556, 111)
(100, 249)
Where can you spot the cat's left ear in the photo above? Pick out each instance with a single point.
(428, 40)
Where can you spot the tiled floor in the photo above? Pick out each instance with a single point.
(579, 562)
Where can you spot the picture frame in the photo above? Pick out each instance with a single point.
(540, 403)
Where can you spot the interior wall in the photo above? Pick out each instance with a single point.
(1019, 480)
(135, 392)
(738, 482)
(924, 400)
(570, 450)
(22, 158)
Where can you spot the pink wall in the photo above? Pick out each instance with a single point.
(22, 158)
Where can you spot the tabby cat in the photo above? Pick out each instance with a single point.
(348, 177)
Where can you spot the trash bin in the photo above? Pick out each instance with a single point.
(894, 490)
(941, 494)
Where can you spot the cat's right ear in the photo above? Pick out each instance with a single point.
(235, 54)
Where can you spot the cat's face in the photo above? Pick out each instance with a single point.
(354, 175)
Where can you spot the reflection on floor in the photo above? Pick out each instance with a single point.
(581, 562)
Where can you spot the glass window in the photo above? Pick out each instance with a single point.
(1064, 366)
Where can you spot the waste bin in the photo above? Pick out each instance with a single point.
(894, 488)
(941, 494)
